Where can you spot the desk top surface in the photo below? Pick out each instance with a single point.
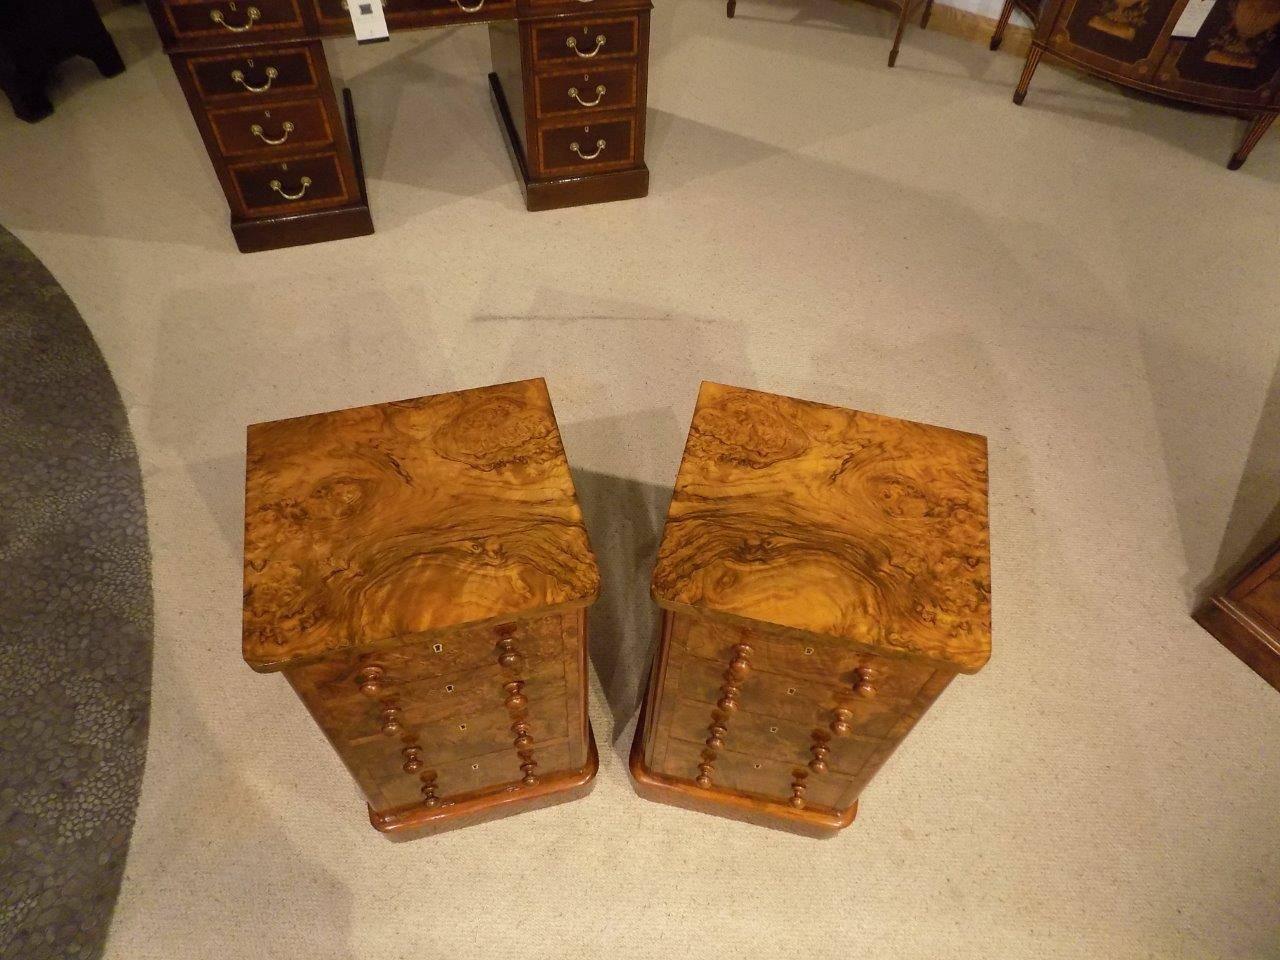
(833, 523)
(389, 523)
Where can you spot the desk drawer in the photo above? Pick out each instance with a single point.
(758, 776)
(586, 41)
(495, 771)
(233, 21)
(408, 13)
(270, 73)
(585, 91)
(587, 147)
(296, 184)
(275, 128)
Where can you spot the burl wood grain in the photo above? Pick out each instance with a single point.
(832, 523)
(388, 524)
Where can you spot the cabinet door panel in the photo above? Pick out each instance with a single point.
(1123, 30)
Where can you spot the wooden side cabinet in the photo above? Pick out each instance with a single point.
(420, 573)
(1245, 618)
(823, 575)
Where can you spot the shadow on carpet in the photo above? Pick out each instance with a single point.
(75, 623)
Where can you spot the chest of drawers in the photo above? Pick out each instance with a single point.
(823, 575)
(420, 573)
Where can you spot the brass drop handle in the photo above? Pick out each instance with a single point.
(286, 129)
(465, 9)
(587, 156)
(508, 657)
(573, 93)
(271, 74)
(253, 14)
(572, 43)
(863, 687)
(369, 678)
(391, 725)
(840, 725)
(302, 190)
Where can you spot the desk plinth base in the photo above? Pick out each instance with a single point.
(413, 823)
(727, 803)
(561, 192)
(337, 223)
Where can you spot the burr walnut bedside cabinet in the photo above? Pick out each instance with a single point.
(420, 573)
(823, 575)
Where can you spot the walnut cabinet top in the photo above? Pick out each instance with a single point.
(386, 524)
(845, 526)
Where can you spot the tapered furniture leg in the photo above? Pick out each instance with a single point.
(924, 17)
(1033, 60)
(1005, 12)
(731, 8)
(1251, 138)
(902, 26)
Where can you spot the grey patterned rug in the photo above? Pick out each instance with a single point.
(75, 623)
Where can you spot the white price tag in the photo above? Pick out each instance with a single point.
(1193, 18)
(368, 20)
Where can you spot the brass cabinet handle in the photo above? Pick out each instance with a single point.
(286, 128)
(573, 92)
(465, 9)
(253, 14)
(306, 182)
(587, 156)
(572, 44)
(238, 77)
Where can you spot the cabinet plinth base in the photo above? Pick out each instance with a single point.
(412, 823)
(1235, 630)
(726, 803)
(339, 223)
(572, 191)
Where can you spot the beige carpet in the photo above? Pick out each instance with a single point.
(1080, 279)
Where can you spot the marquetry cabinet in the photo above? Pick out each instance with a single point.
(823, 575)
(1232, 63)
(420, 573)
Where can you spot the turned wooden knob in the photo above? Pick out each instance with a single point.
(524, 742)
(840, 725)
(727, 703)
(716, 740)
(508, 657)
(369, 680)
(818, 765)
(797, 802)
(391, 722)
(864, 687)
(529, 766)
(515, 699)
(412, 765)
(703, 781)
(529, 780)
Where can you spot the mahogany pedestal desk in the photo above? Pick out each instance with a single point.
(823, 575)
(420, 573)
(569, 86)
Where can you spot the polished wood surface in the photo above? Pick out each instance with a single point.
(1245, 618)
(570, 143)
(380, 524)
(824, 574)
(833, 523)
(1231, 64)
(419, 571)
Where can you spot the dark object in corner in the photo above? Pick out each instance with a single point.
(37, 35)
(1245, 618)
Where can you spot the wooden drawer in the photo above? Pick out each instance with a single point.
(274, 128)
(797, 701)
(461, 737)
(433, 700)
(299, 183)
(585, 41)
(826, 662)
(586, 91)
(233, 21)
(333, 16)
(771, 738)
(759, 776)
(587, 147)
(454, 656)
(496, 771)
(270, 73)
